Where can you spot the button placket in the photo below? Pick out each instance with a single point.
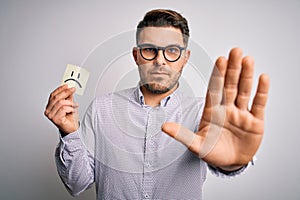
(155, 118)
(148, 182)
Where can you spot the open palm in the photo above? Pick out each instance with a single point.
(229, 133)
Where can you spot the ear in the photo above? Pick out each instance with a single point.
(186, 57)
(134, 54)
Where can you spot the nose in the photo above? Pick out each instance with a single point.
(160, 59)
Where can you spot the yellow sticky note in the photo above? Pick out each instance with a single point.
(76, 77)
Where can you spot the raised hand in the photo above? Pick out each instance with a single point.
(229, 133)
(62, 110)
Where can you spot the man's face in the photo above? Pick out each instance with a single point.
(160, 75)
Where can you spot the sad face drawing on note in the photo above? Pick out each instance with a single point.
(76, 77)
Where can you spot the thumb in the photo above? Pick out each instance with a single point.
(182, 134)
(71, 96)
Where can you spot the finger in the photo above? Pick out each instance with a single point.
(62, 121)
(216, 83)
(261, 97)
(232, 76)
(60, 88)
(245, 84)
(71, 97)
(57, 90)
(59, 105)
(198, 143)
(62, 94)
(183, 135)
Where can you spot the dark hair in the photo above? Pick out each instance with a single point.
(164, 18)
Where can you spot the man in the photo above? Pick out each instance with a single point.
(123, 143)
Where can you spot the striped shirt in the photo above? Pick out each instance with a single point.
(120, 147)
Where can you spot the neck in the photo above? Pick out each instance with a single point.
(152, 99)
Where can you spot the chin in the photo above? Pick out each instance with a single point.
(157, 88)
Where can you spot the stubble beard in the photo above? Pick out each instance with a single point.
(156, 87)
(159, 85)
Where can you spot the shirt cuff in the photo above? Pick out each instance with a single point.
(70, 136)
(68, 145)
(225, 174)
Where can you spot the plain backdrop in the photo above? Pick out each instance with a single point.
(39, 38)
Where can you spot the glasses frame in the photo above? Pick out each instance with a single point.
(140, 47)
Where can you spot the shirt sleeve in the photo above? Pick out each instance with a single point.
(75, 165)
(75, 155)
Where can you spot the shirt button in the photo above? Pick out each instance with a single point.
(148, 164)
(146, 196)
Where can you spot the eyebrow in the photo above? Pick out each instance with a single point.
(150, 44)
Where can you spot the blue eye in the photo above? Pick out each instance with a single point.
(173, 50)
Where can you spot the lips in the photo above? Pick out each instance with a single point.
(159, 73)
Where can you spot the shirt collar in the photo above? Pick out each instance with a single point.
(139, 97)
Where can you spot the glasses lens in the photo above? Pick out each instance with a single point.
(149, 52)
(172, 53)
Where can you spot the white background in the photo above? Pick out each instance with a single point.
(39, 38)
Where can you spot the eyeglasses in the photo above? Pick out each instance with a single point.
(171, 53)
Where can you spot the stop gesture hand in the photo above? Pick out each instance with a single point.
(229, 133)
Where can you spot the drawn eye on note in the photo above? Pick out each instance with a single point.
(76, 77)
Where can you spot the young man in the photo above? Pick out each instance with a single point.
(123, 143)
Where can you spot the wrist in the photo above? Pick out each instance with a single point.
(64, 133)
